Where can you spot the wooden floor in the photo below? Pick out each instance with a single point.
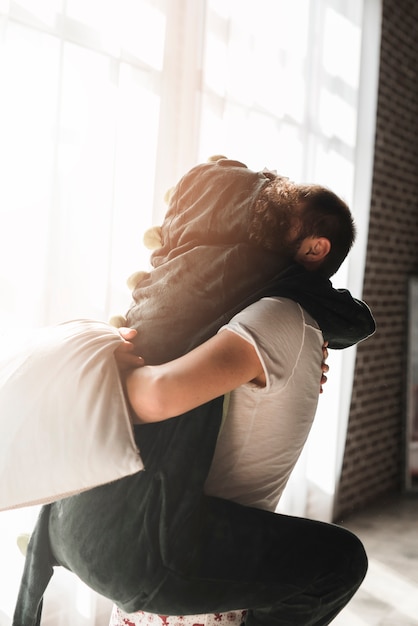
(389, 594)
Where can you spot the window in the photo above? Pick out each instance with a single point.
(79, 126)
(106, 103)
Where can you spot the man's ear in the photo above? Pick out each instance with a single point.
(313, 251)
(319, 248)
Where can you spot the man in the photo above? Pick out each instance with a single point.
(269, 361)
(154, 542)
(274, 349)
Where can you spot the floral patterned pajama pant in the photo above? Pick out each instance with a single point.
(120, 618)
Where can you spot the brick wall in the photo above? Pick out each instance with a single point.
(373, 462)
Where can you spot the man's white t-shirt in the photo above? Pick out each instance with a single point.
(266, 428)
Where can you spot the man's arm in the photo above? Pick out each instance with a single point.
(224, 362)
(230, 360)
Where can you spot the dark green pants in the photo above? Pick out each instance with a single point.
(153, 542)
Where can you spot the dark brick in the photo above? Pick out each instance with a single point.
(373, 460)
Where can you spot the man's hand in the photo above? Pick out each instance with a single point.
(124, 353)
(324, 366)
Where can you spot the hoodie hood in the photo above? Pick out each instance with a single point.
(207, 270)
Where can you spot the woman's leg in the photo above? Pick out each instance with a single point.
(288, 571)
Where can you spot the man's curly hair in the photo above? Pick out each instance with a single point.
(312, 210)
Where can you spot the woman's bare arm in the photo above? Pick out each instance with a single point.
(224, 362)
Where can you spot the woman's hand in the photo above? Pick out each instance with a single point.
(125, 357)
(324, 366)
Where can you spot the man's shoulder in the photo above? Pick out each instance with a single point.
(272, 308)
(272, 317)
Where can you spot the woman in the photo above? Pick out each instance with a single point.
(153, 541)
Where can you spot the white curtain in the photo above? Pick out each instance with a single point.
(293, 86)
(104, 104)
(81, 86)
